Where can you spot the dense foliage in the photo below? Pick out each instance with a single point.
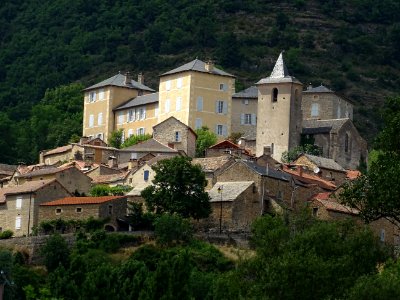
(351, 46)
(205, 139)
(178, 187)
(376, 194)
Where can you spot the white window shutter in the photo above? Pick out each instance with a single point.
(253, 119)
(225, 107)
(241, 119)
(216, 129)
(144, 112)
(216, 106)
(224, 130)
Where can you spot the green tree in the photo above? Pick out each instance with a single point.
(178, 187)
(135, 139)
(375, 194)
(105, 190)
(291, 155)
(115, 139)
(205, 139)
(55, 252)
(172, 229)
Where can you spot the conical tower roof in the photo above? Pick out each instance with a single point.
(280, 73)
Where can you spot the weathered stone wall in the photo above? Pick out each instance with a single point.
(74, 180)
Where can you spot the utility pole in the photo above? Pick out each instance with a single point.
(220, 189)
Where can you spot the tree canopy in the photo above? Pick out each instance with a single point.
(178, 187)
(205, 139)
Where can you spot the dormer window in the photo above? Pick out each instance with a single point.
(275, 95)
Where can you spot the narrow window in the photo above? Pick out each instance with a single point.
(177, 136)
(346, 143)
(18, 203)
(247, 119)
(199, 123)
(168, 85)
(274, 95)
(219, 129)
(146, 175)
(178, 104)
(91, 120)
(221, 107)
(315, 211)
(382, 235)
(167, 106)
(121, 118)
(315, 110)
(92, 96)
(100, 119)
(18, 222)
(110, 209)
(199, 103)
(131, 115)
(179, 83)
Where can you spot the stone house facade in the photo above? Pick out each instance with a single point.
(70, 177)
(81, 208)
(244, 111)
(176, 135)
(226, 147)
(19, 205)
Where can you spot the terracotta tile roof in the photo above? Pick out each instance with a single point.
(322, 196)
(311, 179)
(337, 207)
(212, 164)
(58, 150)
(81, 200)
(353, 174)
(27, 187)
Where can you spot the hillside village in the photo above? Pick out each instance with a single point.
(244, 180)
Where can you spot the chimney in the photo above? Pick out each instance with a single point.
(112, 162)
(128, 78)
(83, 140)
(140, 78)
(309, 86)
(209, 65)
(133, 163)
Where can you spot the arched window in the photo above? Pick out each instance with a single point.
(274, 95)
(346, 143)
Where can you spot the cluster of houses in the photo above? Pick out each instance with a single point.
(245, 180)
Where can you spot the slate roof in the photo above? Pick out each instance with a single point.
(279, 74)
(109, 178)
(198, 66)
(322, 126)
(337, 207)
(158, 158)
(119, 80)
(81, 200)
(318, 89)
(27, 187)
(138, 101)
(267, 171)
(250, 136)
(327, 163)
(58, 150)
(211, 164)
(7, 169)
(230, 190)
(251, 92)
(150, 145)
(46, 171)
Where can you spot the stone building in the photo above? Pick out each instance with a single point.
(82, 208)
(279, 114)
(244, 111)
(19, 205)
(227, 147)
(322, 103)
(176, 135)
(71, 178)
(338, 139)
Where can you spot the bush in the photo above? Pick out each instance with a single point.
(55, 252)
(6, 234)
(172, 229)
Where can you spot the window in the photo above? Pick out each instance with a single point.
(58, 211)
(221, 107)
(245, 102)
(168, 85)
(100, 119)
(279, 195)
(221, 130)
(346, 143)
(142, 113)
(274, 95)
(146, 175)
(314, 110)
(315, 211)
(18, 203)
(382, 235)
(101, 94)
(131, 115)
(339, 113)
(177, 136)
(120, 117)
(78, 209)
(272, 148)
(178, 104)
(92, 96)
(91, 120)
(179, 83)
(199, 103)
(223, 87)
(167, 104)
(18, 222)
(199, 123)
(110, 209)
(140, 131)
(130, 133)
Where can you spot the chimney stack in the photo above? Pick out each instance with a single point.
(128, 78)
(112, 162)
(309, 86)
(140, 78)
(209, 65)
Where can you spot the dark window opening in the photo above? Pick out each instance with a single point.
(315, 211)
(346, 143)
(275, 95)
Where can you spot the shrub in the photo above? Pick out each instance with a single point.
(172, 229)
(6, 234)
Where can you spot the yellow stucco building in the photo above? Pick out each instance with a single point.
(197, 94)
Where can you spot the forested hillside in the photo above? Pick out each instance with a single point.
(351, 46)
